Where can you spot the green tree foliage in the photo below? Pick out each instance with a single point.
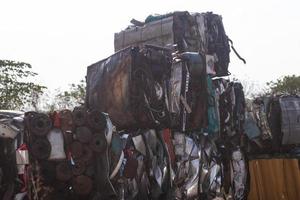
(16, 91)
(287, 84)
(74, 96)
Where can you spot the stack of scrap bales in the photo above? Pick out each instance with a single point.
(66, 153)
(145, 88)
(190, 32)
(272, 125)
(178, 124)
(180, 119)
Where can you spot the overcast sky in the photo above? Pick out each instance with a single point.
(61, 38)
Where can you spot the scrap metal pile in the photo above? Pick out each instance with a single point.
(80, 155)
(64, 151)
(272, 126)
(159, 122)
(182, 122)
(59, 155)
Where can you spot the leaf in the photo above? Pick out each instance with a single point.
(15, 91)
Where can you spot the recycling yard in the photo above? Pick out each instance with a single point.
(160, 118)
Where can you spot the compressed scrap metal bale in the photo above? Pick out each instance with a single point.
(277, 126)
(64, 159)
(290, 119)
(144, 88)
(158, 32)
(131, 86)
(198, 32)
(108, 87)
(166, 31)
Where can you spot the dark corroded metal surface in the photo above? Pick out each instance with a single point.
(64, 171)
(98, 143)
(40, 124)
(108, 87)
(41, 148)
(83, 134)
(79, 116)
(131, 86)
(82, 184)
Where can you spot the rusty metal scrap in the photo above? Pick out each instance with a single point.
(128, 164)
(66, 120)
(40, 124)
(82, 185)
(98, 143)
(64, 171)
(41, 148)
(83, 134)
(80, 136)
(79, 116)
(151, 126)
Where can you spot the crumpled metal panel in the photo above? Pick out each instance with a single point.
(239, 175)
(251, 128)
(7, 131)
(108, 85)
(198, 32)
(191, 186)
(175, 87)
(131, 86)
(180, 28)
(260, 112)
(156, 32)
(290, 119)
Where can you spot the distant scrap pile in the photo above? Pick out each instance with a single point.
(272, 124)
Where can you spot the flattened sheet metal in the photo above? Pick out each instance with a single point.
(239, 174)
(175, 88)
(139, 144)
(131, 86)
(290, 119)
(110, 78)
(191, 188)
(158, 32)
(250, 126)
(7, 131)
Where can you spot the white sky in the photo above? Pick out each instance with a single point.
(61, 38)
